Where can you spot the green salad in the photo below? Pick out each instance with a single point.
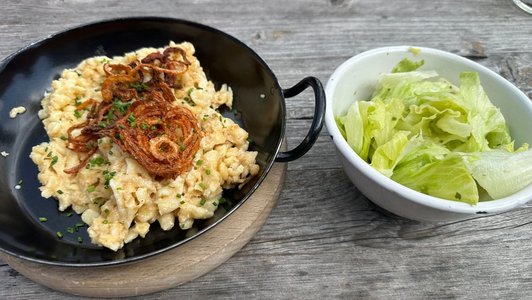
(434, 137)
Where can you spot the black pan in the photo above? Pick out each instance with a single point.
(259, 107)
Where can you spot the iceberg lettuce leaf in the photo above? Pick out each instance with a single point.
(407, 65)
(432, 136)
(388, 154)
(499, 172)
(489, 130)
(446, 178)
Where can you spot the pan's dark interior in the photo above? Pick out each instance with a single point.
(24, 77)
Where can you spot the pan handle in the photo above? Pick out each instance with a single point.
(317, 121)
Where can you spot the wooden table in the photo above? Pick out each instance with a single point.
(324, 239)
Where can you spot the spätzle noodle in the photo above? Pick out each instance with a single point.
(115, 195)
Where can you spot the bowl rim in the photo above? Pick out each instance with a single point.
(493, 206)
(114, 21)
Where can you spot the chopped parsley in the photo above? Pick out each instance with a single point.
(199, 162)
(64, 138)
(43, 219)
(97, 161)
(178, 195)
(202, 185)
(122, 107)
(215, 204)
(105, 221)
(99, 201)
(90, 145)
(222, 200)
(69, 214)
(59, 234)
(54, 161)
(70, 229)
(60, 192)
(140, 87)
(78, 113)
(80, 239)
(107, 176)
(182, 202)
(132, 120)
(208, 171)
(143, 126)
(80, 224)
(91, 188)
(189, 100)
(202, 202)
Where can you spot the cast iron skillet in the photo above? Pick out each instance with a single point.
(259, 106)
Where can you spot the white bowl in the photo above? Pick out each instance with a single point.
(356, 78)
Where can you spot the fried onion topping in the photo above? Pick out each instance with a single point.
(138, 115)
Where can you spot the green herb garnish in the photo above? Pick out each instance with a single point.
(107, 176)
(91, 188)
(140, 87)
(54, 161)
(132, 120)
(99, 201)
(97, 161)
(122, 107)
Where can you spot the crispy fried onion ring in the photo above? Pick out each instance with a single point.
(164, 139)
(137, 114)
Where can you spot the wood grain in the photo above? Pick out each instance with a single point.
(324, 239)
